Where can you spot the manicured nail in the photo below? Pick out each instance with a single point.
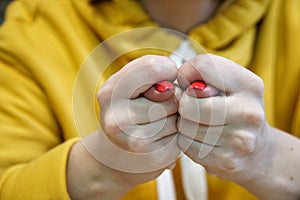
(199, 85)
(164, 86)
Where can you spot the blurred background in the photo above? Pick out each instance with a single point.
(3, 4)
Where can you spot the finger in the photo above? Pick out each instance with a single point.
(211, 135)
(221, 110)
(216, 160)
(154, 131)
(248, 112)
(161, 91)
(127, 161)
(143, 110)
(139, 75)
(199, 89)
(230, 136)
(205, 111)
(125, 113)
(145, 146)
(146, 137)
(223, 74)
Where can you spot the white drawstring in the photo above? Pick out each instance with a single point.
(165, 186)
(194, 179)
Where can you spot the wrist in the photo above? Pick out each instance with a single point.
(257, 166)
(276, 176)
(87, 178)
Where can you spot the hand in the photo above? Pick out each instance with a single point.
(142, 133)
(225, 132)
(137, 138)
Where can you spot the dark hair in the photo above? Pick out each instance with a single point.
(98, 1)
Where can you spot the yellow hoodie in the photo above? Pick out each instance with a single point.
(44, 42)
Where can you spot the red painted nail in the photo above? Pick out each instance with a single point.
(199, 85)
(164, 86)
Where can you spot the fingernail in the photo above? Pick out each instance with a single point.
(199, 85)
(164, 86)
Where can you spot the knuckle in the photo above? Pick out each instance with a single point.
(253, 117)
(110, 127)
(228, 163)
(112, 124)
(245, 141)
(256, 86)
(136, 144)
(103, 94)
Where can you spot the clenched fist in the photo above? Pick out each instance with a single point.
(141, 133)
(224, 131)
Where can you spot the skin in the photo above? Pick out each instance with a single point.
(235, 140)
(231, 138)
(180, 16)
(91, 179)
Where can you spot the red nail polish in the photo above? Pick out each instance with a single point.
(199, 85)
(164, 86)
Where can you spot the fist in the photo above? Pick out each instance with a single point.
(224, 131)
(139, 135)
